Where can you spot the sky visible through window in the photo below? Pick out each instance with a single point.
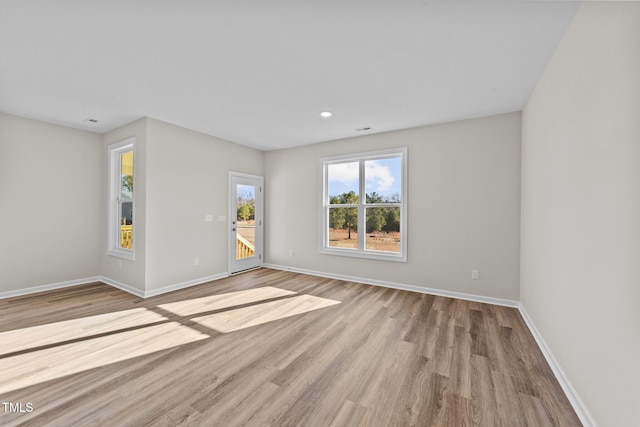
(383, 176)
(246, 192)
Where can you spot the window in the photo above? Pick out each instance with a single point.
(121, 199)
(364, 205)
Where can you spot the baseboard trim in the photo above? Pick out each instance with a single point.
(187, 284)
(113, 283)
(122, 286)
(49, 287)
(569, 391)
(401, 286)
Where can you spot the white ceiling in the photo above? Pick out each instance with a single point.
(259, 72)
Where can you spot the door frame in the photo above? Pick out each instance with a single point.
(238, 266)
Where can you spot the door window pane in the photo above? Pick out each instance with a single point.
(245, 221)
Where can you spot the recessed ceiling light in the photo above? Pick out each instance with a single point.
(326, 114)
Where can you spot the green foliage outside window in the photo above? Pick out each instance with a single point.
(385, 219)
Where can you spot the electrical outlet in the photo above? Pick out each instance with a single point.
(196, 261)
(475, 274)
(291, 253)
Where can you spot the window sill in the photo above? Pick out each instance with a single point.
(122, 253)
(377, 256)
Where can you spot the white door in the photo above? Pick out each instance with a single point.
(245, 221)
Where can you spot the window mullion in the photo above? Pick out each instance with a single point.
(361, 209)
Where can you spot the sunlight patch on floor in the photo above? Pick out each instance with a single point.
(67, 330)
(36, 367)
(221, 301)
(240, 318)
(41, 353)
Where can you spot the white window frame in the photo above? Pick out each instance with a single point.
(361, 251)
(113, 227)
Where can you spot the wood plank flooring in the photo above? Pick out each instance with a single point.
(271, 348)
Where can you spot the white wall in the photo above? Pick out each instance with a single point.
(464, 207)
(581, 208)
(50, 203)
(126, 272)
(53, 188)
(187, 178)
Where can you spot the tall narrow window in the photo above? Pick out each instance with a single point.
(121, 199)
(364, 205)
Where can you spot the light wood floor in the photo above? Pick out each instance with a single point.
(271, 348)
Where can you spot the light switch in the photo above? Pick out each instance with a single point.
(222, 218)
(208, 218)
